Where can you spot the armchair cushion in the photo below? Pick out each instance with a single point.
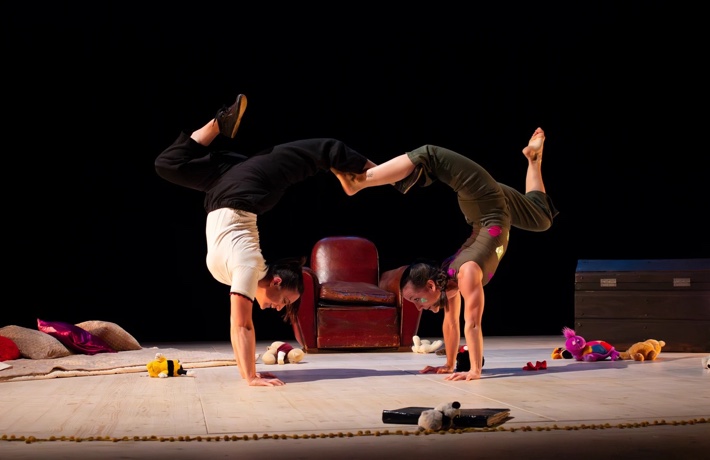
(355, 292)
(345, 303)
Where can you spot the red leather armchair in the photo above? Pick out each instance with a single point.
(347, 305)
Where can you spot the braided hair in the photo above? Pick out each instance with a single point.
(290, 270)
(418, 273)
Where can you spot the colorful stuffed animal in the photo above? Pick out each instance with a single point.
(647, 350)
(425, 346)
(282, 353)
(433, 419)
(561, 353)
(162, 367)
(594, 350)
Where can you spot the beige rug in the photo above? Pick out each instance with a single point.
(108, 363)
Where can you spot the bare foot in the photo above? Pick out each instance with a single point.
(533, 151)
(347, 181)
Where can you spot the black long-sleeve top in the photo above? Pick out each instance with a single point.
(255, 183)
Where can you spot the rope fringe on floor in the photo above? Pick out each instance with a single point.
(417, 432)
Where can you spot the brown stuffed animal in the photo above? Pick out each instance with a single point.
(647, 350)
(282, 353)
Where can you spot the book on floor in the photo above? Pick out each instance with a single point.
(469, 418)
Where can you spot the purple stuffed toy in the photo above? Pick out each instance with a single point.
(594, 350)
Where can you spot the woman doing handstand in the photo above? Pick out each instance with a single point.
(491, 208)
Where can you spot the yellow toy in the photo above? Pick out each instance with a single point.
(647, 350)
(561, 353)
(162, 367)
(282, 353)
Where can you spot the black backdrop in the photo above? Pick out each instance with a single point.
(93, 96)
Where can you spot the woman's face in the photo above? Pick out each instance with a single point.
(426, 298)
(275, 297)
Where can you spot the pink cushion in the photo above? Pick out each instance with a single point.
(8, 349)
(74, 337)
(111, 333)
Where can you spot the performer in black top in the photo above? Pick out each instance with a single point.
(237, 189)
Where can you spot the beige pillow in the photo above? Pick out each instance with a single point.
(35, 344)
(111, 333)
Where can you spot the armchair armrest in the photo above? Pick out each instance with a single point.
(409, 314)
(304, 328)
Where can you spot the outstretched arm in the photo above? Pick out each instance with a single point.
(451, 329)
(243, 339)
(470, 280)
(452, 336)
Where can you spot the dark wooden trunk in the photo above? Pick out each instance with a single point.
(627, 301)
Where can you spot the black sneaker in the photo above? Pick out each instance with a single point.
(408, 182)
(228, 118)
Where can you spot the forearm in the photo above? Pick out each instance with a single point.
(470, 282)
(474, 341)
(244, 346)
(243, 336)
(452, 342)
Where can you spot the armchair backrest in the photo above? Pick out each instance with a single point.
(346, 258)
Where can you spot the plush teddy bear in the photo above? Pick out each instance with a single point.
(282, 353)
(582, 350)
(647, 350)
(433, 419)
(425, 346)
(162, 367)
(706, 362)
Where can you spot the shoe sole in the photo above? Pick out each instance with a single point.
(241, 103)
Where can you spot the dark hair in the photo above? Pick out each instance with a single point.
(418, 273)
(290, 271)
